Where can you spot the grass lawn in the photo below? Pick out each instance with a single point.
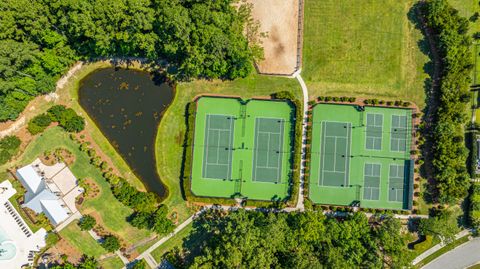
(363, 48)
(112, 213)
(171, 131)
(467, 8)
(175, 241)
(82, 241)
(442, 251)
(111, 263)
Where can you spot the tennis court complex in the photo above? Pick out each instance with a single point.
(242, 148)
(361, 155)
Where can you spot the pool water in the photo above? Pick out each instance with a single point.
(7, 248)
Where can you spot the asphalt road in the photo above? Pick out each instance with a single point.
(459, 258)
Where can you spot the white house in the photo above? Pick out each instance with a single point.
(50, 189)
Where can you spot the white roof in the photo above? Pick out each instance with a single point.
(55, 211)
(31, 178)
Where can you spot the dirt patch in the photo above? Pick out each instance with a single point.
(62, 247)
(279, 19)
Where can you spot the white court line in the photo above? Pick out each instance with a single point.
(206, 148)
(281, 138)
(230, 154)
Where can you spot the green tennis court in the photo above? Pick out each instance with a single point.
(242, 148)
(361, 155)
(217, 161)
(267, 159)
(374, 131)
(335, 153)
(396, 184)
(371, 189)
(399, 133)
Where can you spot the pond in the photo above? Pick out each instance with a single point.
(127, 106)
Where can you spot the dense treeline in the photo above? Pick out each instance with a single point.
(249, 239)
(449, 151)
(40, 39)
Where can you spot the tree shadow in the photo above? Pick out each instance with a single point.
(429, 111)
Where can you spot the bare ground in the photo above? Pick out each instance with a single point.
(279, 20)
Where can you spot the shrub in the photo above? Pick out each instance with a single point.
(389, 103)
(352, 99)
(328, 99)
(87, 223)
(67, 118)
(111, 243)
(9, 146)
(38, 124)
(52, 238)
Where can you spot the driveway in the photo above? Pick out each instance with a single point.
(460, 257)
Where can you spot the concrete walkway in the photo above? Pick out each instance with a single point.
(435, 248)
(300, 206)
(76, 216)
(461, 257)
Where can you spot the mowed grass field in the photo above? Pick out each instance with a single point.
(363, 48)
(171, 131)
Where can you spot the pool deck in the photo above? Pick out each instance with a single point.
(23, 244)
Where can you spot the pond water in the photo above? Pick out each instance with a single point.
(127, 106)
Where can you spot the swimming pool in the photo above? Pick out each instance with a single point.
(7, 248)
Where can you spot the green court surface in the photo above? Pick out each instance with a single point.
(361, 155)
(242, 148)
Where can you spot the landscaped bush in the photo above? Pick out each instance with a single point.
(474, 200)
(111, 243)
(67, 118)
(38, 124)
(9, 146)
(87, 223)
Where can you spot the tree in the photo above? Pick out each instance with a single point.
(444, 226)
(87, 223)
(141, 264)
(111, 243)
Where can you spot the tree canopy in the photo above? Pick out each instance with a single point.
(249, 239)
(40, 39)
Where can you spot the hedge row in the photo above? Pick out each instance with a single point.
(474, 212)
(147, 213)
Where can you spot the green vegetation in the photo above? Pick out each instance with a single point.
(113, 262)
(82, 241)
(86, 223)
(141, 264)
(175, 241)
(250, 239)
(364, 49)
(40, 40)
(443, 226)
(9, 146)
(474, 206)
(67, 118)
(449, 151)
(111, 243)
(39, 123)
(170, 141)
(442, 251)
